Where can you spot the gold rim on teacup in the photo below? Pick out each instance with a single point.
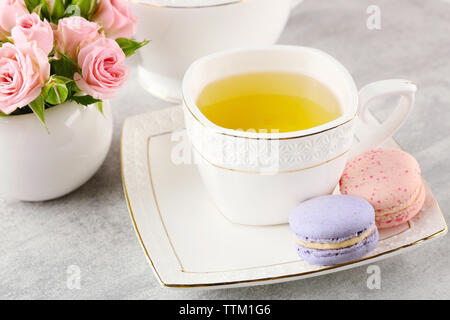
(267, 138)
(190, 103)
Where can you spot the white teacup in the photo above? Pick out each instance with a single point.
(182, 31)
(258, 178)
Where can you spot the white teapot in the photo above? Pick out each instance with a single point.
(181, 31)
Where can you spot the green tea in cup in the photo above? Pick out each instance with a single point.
(273, 101)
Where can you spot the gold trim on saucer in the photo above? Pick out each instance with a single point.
(156, 200)
(127, 198)
(186, 7)
(294, 275)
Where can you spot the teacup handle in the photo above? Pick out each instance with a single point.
(373, 139)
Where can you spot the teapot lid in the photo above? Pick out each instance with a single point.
(186, 3)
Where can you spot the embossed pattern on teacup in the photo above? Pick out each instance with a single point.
(241, 153)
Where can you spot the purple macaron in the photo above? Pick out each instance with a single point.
(334, 229)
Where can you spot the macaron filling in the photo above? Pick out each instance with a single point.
(336, 245)
(338, 256)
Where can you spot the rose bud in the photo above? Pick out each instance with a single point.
(55, 91)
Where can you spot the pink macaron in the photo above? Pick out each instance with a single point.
(390, 180)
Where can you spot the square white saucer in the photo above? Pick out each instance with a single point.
(188, 242)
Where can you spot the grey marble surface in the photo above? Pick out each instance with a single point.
(90, 228)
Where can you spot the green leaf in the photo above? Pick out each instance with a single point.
(38, 11)
(52, 10)
(38, 107)
(129, 46)
(85, 100)
(86, 7)
(23, 110)
(73, 88)
(42, 9)
(100, 106)
(64, 66)
(57, 10)
(32, 4)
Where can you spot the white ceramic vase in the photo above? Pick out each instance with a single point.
(36, 165)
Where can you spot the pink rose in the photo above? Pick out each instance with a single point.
(73, 32)
(24, 69)
(116, 18)
(10, 10)
(29, 27)
(102, 68)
